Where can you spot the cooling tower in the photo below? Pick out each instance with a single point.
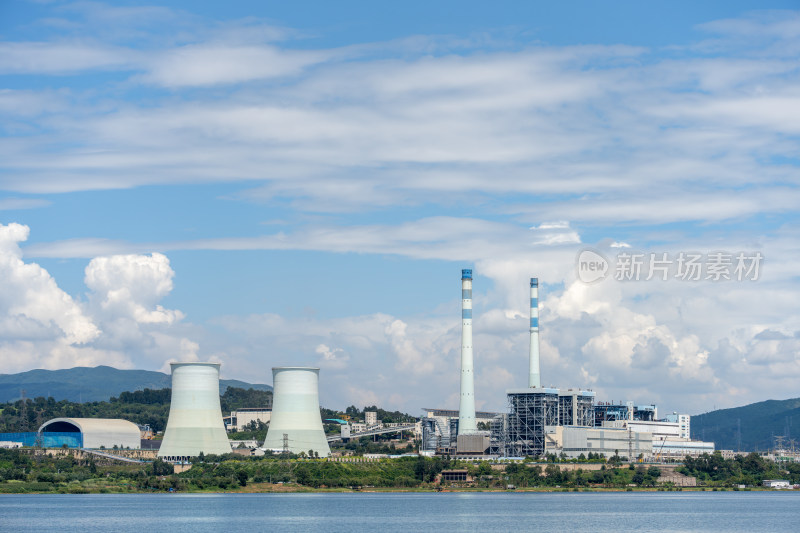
(195, 417)
(296, 423)
(534, 378)
(466, 410)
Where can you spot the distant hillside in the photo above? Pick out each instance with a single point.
(760, 422)
(85, 384)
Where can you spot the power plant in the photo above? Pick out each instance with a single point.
(542, 420)
(539, 420)
(195, 423)
(296, 424)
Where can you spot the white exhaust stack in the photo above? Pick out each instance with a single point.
(195, 416)
(534, 378)
(296, 424)
(466, 411)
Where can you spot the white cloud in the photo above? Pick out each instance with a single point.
(212, 64)
(40, 324)
(361, 132)
(59, 58)
(552, 233)
(331, 357)
(122, 324)
(30, 295)
(131, 285)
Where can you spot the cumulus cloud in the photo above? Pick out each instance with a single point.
(131, 285)
(40, 324)
(122, 324)
(31, 298)
(408, 355)
(331, 357)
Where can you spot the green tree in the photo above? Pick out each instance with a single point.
(162, 468)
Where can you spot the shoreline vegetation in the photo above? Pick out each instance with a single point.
(31, 471)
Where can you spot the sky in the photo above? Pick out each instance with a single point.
(300, 183)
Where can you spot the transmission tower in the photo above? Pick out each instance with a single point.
(738, 434)
(23, 412)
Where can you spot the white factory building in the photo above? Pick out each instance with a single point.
(98, 432)
(240, 419)
(658, 440)
(608, 441)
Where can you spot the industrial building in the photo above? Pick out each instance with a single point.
(610, 412)
(90, 433)
(532, 410)
(684, 423)
(439, 429)
(576, 441)
(296, 424)
(195, 423)
(96, 432)
(241, 419)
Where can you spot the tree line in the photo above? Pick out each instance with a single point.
(23, 471)
(144, 407)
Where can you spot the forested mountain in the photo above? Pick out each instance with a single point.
(751, 427)
(91, 384)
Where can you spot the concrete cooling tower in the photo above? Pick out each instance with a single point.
(296, 424)
(195, 417)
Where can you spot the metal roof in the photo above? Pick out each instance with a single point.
(101, 432)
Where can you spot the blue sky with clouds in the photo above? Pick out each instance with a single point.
(301, 183)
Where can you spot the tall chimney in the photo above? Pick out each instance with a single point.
(466, 410)
(534, 378)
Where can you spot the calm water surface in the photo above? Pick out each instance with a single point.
(597, 512)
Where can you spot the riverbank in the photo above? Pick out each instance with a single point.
(25, 471)
(105, 487)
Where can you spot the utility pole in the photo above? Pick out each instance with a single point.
(630, 445)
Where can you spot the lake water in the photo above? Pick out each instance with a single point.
(439, 512)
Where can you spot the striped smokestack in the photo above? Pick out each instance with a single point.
(466, 410)
(534, 378)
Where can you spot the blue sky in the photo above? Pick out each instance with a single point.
(301, 183)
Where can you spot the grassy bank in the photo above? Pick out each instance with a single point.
(26, 471)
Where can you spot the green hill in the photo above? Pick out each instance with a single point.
(758, 423)
(92, 384)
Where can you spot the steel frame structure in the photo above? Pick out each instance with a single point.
(529, 413)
